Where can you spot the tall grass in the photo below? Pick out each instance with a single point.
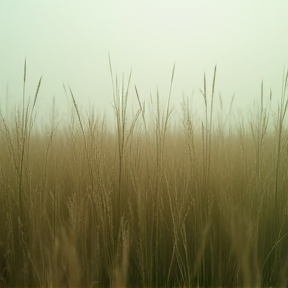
(203, 203)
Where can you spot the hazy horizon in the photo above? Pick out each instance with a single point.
(69, 42)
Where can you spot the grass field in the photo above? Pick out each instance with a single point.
(148, 204)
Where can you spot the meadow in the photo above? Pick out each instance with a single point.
(147, 204)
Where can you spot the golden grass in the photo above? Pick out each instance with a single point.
(198, 204)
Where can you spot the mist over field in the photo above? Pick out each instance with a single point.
(69, 42)
(143, 144)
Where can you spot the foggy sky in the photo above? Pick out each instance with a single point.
(69, 42)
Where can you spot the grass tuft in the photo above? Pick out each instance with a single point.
(202, 203)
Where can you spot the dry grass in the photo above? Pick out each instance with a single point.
(202, 204)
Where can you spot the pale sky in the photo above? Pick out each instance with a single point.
(69, 42)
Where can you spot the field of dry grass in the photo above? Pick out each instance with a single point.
(204, 203)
